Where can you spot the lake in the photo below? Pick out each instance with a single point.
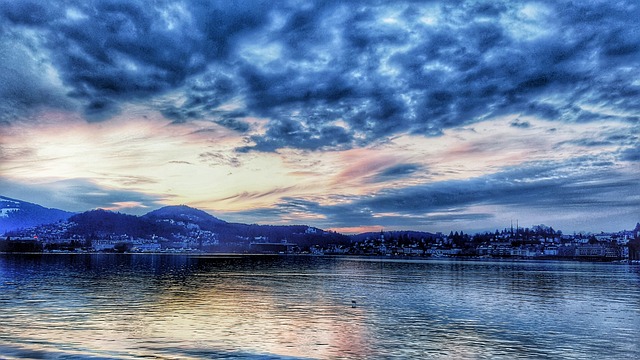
(109, 306)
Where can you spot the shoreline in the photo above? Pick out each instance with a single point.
(372, 257)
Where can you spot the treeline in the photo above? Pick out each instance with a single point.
(9, 245)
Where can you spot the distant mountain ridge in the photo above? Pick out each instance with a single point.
(174, 226)
(18, 214)
(168, 222)
(231, 232)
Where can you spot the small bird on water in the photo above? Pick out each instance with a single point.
(353, 303)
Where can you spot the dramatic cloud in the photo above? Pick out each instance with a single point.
(110, 52)
(542, 186)
(631, 154)
(397, 172)
(330, 75)
(359, 113)
(27, 84)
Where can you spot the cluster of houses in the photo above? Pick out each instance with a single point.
(56, 238)
(539, 242)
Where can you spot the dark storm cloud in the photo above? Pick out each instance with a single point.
(591, 143)
(520, 124)
(383, 79)
(510, 188)
(234, 124)
(632, 153)
(114, 51)
(620, 138)
(23, 90)
(291, 133)
(322, 83)
(376, 68)
(28, 12)
(204, 94)
(397, 172)
(540, 186)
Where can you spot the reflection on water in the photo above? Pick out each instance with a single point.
(197, 307)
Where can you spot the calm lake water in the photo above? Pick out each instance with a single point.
(202, 307)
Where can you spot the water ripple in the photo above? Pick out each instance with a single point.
(180, 307)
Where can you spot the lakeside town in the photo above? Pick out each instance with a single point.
(537, 242)
(182, 229)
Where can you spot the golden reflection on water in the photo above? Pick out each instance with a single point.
(179, 307)
(256, 315)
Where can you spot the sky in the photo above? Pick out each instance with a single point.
(350, 116)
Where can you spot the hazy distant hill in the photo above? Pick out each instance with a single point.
(17, 214)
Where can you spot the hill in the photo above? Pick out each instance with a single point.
(185, 214)
(180, 227)
(238, 234)
(102, 223)
(171, 227)
(17, 214)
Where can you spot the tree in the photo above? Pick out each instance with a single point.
(122, 247)
(634, 249)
